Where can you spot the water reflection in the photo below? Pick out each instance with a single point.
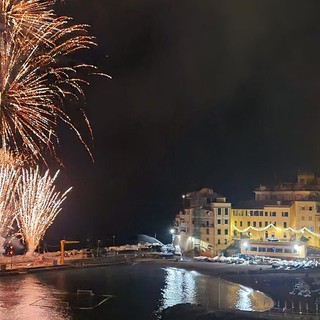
(26, 298)
(183, 286)
(180, 287)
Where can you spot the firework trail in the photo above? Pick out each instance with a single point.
(9, 178)
(37, 205)
(34, 84)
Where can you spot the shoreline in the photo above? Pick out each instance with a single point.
(274, 283)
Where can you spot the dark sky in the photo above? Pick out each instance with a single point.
(223, 94)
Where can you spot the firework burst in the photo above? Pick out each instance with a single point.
(37, 205)
(33, 82)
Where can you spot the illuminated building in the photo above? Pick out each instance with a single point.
(287, 212)
(203, 223)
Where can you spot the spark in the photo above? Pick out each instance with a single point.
(8, 183)
(34, 82)
(37, 204)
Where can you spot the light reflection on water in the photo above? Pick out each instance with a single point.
(180, 287)
(143, 289)
(183, 286)
(17, 298)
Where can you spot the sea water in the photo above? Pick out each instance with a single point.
(139, 291)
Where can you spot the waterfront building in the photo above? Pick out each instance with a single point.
(203, 224)
(288, 212)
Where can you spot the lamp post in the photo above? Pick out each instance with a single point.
(98, 251)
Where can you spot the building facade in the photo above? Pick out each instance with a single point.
(204, 223)
(286, 212)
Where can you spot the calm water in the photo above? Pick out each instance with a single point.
(140, 292)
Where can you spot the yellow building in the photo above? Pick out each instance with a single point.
(288, 212)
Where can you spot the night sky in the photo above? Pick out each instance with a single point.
(220, 94)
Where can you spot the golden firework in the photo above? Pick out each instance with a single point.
(34, 83)
(37, 204)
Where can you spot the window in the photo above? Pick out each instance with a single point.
(254, 224)
(235, 223)
(226, 211)
(285, 214)
(251, 213)
(310, 208)
(260, 224)
(279, 250)
(225, 221)
(285, 225)
(256, 213)
(302, 208)
(207, 231)
(285, 235)
(266, 223)
(225, 241)
(208, 239)
(287, 250)
(218, 231)
(273, 214)
(262, 249)
(254, 249)
(240, 223)
(226, 231)
(261, 213)
(219, 221)
(207, 223)
(218, 241)
(266, 213)
(310, 218)
(219, 211)
(248, 223)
